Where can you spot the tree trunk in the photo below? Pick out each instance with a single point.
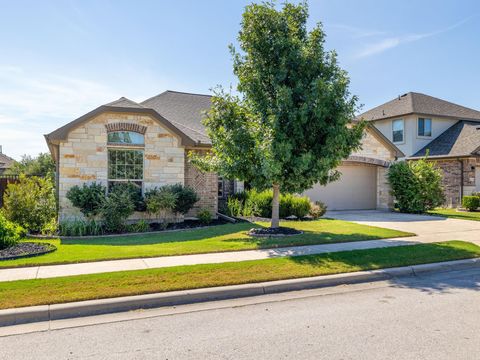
(275, 207)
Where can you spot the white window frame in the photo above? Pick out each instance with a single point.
(403, 131)
(431, 128)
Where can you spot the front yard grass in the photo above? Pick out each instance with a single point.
(229, 237)
(97, 286)
(453, 213)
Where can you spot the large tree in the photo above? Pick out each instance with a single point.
(291, 124)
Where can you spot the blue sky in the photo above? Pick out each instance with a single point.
(60, 59)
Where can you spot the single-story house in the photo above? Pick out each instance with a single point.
(449, 133)
(147, 143)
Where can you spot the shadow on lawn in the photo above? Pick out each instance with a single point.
(436, 282)
(167, 237)
(307, 238)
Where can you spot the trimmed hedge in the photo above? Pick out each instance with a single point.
(255, 203)
(471, 203)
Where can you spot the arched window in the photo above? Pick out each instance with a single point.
(125, 138)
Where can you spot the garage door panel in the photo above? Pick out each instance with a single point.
(355, 190)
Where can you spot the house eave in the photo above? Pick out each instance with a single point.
(61, 134)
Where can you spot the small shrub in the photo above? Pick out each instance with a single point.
(31, 203)
(139, 227)
(133, 190)
(293, 205)
(89, 198)
(416, 185)
(159, 201)
(186, 197)
(317, 209)
(116, 209)
(205, 216)
(10, 233)
(255, 203)
(471, 203)
(80, 228)
(234, 207)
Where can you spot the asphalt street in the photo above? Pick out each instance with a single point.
(432, 317)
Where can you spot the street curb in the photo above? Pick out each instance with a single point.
(32, 314)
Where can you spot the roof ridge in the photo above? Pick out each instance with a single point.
(175, 92)
(123, 98)
(187, 93)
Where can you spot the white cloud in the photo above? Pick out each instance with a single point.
(392, 42)
(33, 104)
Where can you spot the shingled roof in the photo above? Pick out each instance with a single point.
(460, 140)
(184, 110)
(5, 161)
(416, 103)
(177, 111)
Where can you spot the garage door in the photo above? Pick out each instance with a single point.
(356, 189)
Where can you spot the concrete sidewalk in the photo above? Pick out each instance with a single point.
(51, 271)
(428, 228)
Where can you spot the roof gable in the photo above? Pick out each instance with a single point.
(417, 103)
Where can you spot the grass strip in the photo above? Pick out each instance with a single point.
(106, 285)
(453, 213)
(229, 237)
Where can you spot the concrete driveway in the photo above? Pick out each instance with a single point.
(428, 228)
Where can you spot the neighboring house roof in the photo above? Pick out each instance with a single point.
(5, 161)
(460, 140)
(416, 103)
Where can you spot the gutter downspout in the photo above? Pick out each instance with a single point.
(461, 180)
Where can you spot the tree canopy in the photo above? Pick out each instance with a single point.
(290, 125)
(41, 165)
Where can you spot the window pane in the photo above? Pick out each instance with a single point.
(397, 127)
(125, 137)
(421, 127)
(125, 164)
(129, 172)
(428, 127)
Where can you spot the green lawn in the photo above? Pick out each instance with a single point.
(453, 213)
(229, 237)
(86, 287)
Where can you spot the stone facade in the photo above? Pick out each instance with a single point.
(452, 178)
(83, 157)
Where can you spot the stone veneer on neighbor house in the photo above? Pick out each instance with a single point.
(375, 153)
(452, 178)
(83, 158)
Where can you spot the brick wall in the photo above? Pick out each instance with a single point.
(452, 175)
(206, 186)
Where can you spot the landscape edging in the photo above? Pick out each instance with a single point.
(40, 313)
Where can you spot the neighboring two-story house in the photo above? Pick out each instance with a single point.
(419, 124)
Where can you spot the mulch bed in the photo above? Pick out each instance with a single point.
(269, 232)
(25, 249)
